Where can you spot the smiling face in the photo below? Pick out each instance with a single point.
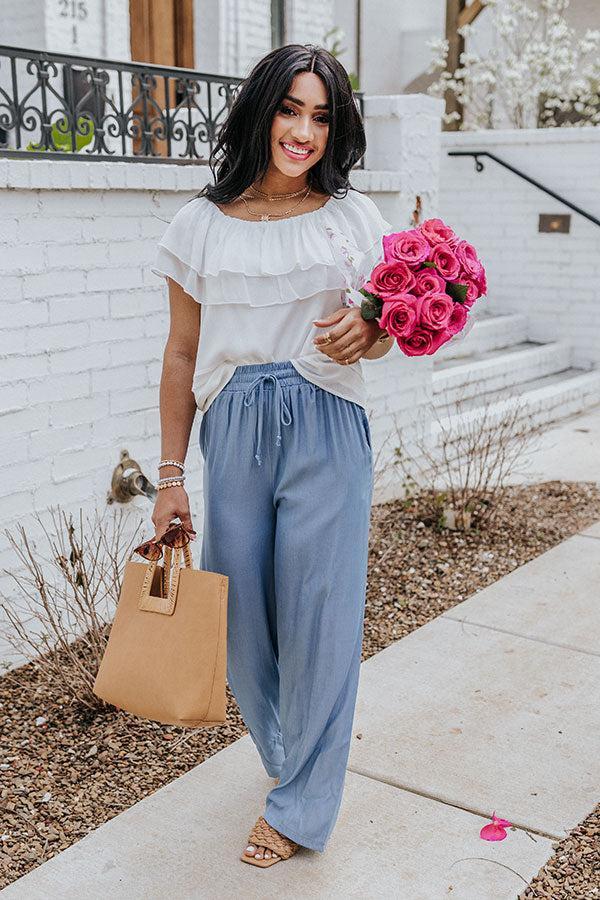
(300, 127)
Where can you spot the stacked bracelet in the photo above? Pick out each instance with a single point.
(171, 462)
(171, 478)
(171, 482)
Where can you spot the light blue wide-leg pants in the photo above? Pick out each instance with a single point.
(288, 484)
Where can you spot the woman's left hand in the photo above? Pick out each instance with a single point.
(351, 335)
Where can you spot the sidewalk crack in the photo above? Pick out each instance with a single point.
(526, 637)
(468, 809)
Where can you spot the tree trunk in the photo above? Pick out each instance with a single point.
(456, 45)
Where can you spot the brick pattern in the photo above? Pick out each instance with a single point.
(554, 279)
(243, 46)
(308, 20)
(23, 24)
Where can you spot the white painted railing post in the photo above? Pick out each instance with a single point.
(404, 137)
(403, 145)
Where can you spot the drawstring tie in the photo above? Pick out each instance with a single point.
(283, 413)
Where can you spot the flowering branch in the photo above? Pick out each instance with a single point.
(538, 73)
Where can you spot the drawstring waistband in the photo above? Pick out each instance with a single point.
(270, 378)
(282, 410)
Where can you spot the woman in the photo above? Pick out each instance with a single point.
(252, 286)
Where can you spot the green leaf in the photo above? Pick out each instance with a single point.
(372, 297)
(430, 265)
(457, 291)
(371, 306)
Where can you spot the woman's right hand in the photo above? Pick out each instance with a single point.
(171, 502)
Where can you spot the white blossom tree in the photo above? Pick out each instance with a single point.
(538, 74)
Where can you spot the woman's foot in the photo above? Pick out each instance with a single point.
(261, 852)
(276, 847)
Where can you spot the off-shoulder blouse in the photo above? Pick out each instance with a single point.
(261, 284)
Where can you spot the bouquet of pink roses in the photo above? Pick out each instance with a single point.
(423, 289)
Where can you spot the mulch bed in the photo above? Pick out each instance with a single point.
(64, 771)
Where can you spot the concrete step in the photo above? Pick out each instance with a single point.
(488, 333)
(495, 370)
(540, 401)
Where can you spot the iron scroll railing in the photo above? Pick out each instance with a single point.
(479, 167)
(57, 106)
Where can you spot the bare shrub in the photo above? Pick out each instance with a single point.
(464, 456)
(60, 619)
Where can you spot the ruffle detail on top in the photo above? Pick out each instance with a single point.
(217, 258)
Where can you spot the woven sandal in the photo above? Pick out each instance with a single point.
(264, 835)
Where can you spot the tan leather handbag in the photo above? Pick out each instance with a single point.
(166, 656)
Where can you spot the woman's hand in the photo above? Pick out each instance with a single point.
(351, 335)
(171, 502)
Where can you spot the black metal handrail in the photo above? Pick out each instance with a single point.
(79, 107)
(479, 167)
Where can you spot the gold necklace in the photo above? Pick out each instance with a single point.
(277, 196)
(265, 217)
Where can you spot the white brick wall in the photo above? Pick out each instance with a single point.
(403, 137)
(23, 24)
(243, 45)
(552, 278)
(309, 20)
(92, 29)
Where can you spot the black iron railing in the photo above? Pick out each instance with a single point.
(76, 107)
(479, 167)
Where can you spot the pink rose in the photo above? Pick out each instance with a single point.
(446, 262)
(482, 282)
(437, 232)
(435, 310)
(458, 319)
(439, 338)
(388, 280)
(467, 257)
(399, 316)
(423, 341)
(476, 286)
(409, 247)
(472, 292)
(428, 280)
(417, 343)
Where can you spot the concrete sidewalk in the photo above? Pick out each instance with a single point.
(493, 706)
(565, 451)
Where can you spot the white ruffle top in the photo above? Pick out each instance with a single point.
(261, 284)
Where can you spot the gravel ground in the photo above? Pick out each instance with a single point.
(64, 771)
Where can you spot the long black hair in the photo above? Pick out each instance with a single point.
(242, 151)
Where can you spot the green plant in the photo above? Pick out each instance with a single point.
(332, 42)
(61, 136)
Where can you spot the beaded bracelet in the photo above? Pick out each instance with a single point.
(167, 484)
(171, 478)
(171, 462)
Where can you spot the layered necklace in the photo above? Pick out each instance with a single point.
(270, 198)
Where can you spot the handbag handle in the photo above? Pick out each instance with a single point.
(165, 604)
